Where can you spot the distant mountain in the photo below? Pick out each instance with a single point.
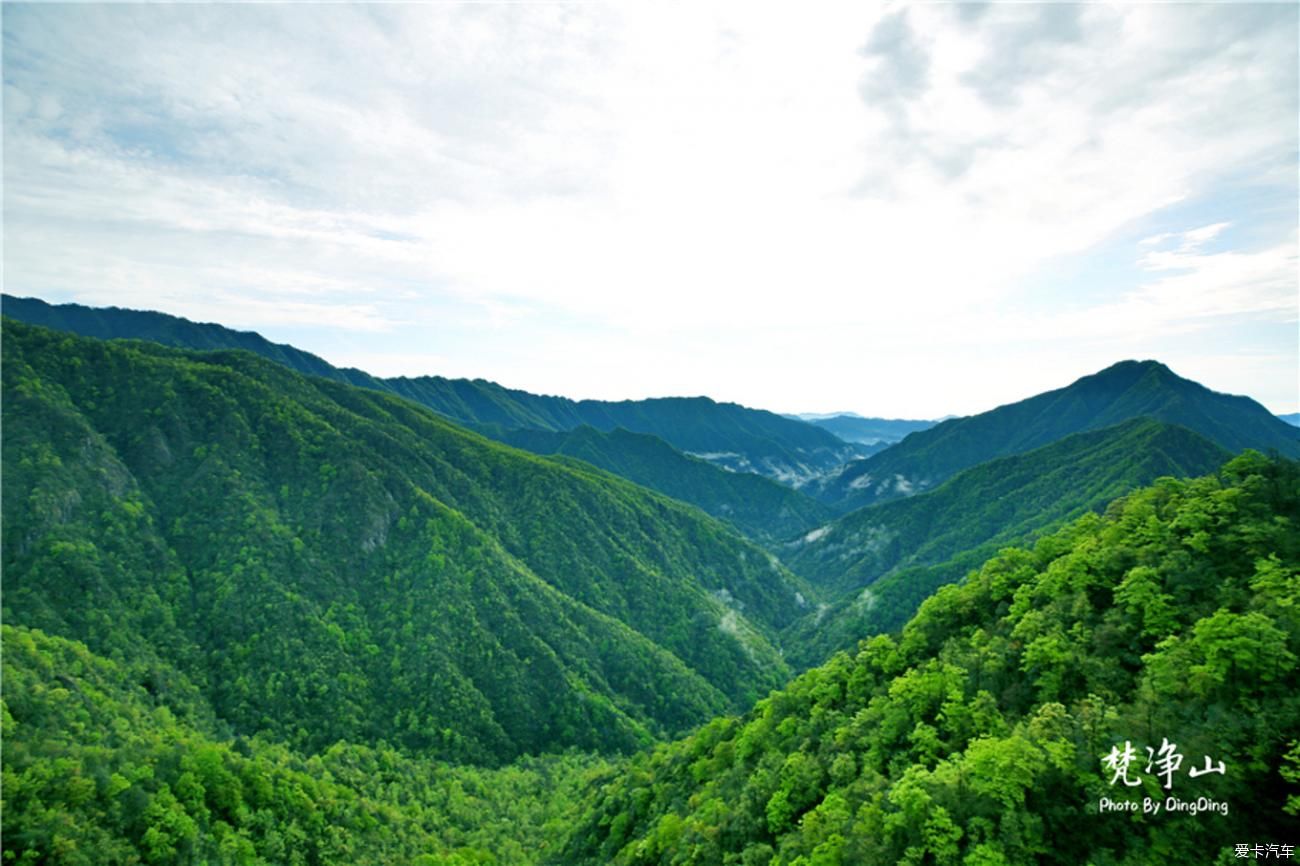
(869, 431)
(1293, 419)
(726, 434)
(880, 562)
(329, 563)
(760, 508)
(1129, 389)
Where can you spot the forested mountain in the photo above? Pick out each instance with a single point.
(250, 614)
(877, 564)
(326, 562)
(759, 508)
(729, 435)
(108, 323)
(1129, 389)
(980, 734)
(102, 767)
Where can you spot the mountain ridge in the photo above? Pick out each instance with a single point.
(735, 437)
(980, 733)
(275, 537)
(760, 508)
(1124, 390)
(876, 565)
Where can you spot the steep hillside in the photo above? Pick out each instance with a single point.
(1129, 389)
(759, 508)
(879, 563)
(327, 562)
(1000, 501)
(726, 434)
(108, 323)
(982, 733)
(101, 766)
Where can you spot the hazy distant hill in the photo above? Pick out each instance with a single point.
(1292, 419)
(1129, 389)
(328, 562)
(729, 435)
(726, 434)
(867, 431)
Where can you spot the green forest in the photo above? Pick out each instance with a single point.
(976, 734)
(254, 615)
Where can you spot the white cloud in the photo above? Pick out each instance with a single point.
(739, 189)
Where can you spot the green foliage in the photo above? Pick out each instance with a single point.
(108, 323)
(879, 563)
(746, 440)
(329, 563)
(758, 507)
(976, 735)
(97, 770)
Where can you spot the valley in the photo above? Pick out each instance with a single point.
(259, 608)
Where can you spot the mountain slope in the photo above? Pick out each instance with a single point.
(328, 562)
(1129, 389)
(101, 767)
(1293, 419)
(880, 562)
(979, 735)
(726, 434)
(732, 436)
(759, 508)
(108, 323)
(999, 501)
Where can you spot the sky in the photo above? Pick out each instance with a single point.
(898, 210)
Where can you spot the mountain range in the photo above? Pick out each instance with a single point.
(760, 508)
(996, 727)
(1129, 389)
(261, 609)
(328, 562)
(875, 566)
(728, 435)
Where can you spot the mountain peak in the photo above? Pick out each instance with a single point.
(1125, 390)
(1131, 368)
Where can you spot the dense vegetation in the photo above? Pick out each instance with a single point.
(877, 564)
(761, 509)
(1129, 389)
(1000, 501)
(101, 768)
(977, 735)
(737, 438)
(326, 562)
(249, 614)
(108, 323)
